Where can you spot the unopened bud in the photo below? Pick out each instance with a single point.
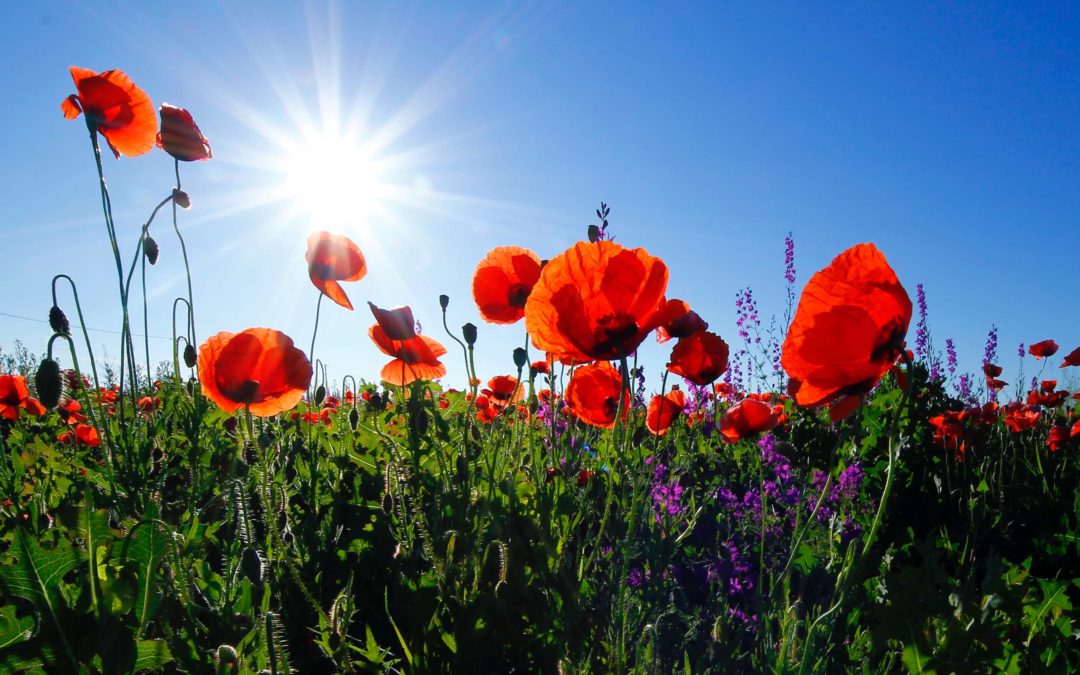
(469, 333)
(354, 418)
(58, 321)
(444, 301)
(150, 248)
(320, 395)
(190, 356)
(521, 357)
(226, 658)
(48, 382)
(594, 233)
(181, 199)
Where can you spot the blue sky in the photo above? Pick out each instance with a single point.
(944, 132)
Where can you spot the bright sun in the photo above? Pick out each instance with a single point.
(333, 180)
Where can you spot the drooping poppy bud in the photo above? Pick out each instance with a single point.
(48, 382)
(191, 357)
(354, 418)
(469, 333)
(58, 321)
(444, 301)
(181, 199)
(251, 565)
(521, 357)
(150, 249)
(320, 395)
(594, 233)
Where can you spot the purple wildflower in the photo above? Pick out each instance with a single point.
(789, 258)
(950, 356)
(990, 352)
(922, 332)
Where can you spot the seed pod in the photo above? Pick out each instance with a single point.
(191, 357)
(354, 418)
(320, 395)
(469, 332)
(150, 249)
(181, 199)
(48, 382)
(251, 565)
(58, 321)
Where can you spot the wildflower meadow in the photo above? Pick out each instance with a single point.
(831, 494)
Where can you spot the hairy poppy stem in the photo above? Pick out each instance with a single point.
(82, 323)
(176, 339)
(464, 351)
(183, 252)
(311, 352)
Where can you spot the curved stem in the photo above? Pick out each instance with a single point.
(183, 252)
(82, 324)
(311, 352)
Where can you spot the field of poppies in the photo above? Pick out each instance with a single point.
(833, 496)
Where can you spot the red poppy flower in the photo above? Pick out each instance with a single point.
(503, 281)
(14, 395)
(180, 136)
(396, 322)
(414, 359)
(593, 394)
(681, 322)
(259, 368)
(539, 368)
(503, 390)
(749, 417)
(114, 106)
(663, 410)
(70, 411)
(1041, 350)
(332, 258)
(848, 330)
(597, 301)
(1059, 435)
(87, 435)
(1072, 358)
(700, 358)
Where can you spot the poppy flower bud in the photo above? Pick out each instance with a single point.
(49, 385)
(191, 358)
(521, 357)
(444, 301)
(181, 199)
(320, 395)
(58, 321)
(594, 233)
(354, 418)
(251, 565)
(226, 658)
(150, 249)
(468, 331)
(180, 136)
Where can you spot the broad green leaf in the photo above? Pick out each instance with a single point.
(151, 654)
(146, 547)
(14, 628)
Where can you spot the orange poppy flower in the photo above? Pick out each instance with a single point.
(502, 283)
(749, 417)
(1071, 359)
(848, 330)
(1041, 350)
(701, 357)
(593, 394)
(397, 322)
(14, 395)
(180, 136)
(414, 359)
(258, 368)
(332, 258)
(114, 106)
(597, 301)
(663, 410)
(682, 322)
(502, 390)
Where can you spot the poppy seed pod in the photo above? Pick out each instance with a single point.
(48, 382)
(58, 321)
(150, 249)
(444, 301)
(191, 357)
(468, 331)
(181, 199)
(521, 357)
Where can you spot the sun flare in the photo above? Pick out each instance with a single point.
(332, 179)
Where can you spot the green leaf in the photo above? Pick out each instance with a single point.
(151, 654)
(146, 547)
(13, 628)
(35, 575)
(1054, 602)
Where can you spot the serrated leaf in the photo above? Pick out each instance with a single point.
(13, 628)
(146, 547)
(151, 654)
